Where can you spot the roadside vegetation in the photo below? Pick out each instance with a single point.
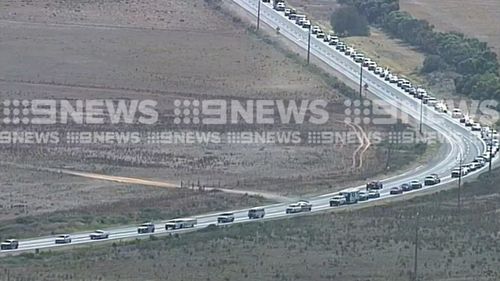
(178, 203)
(347, 21)
(475, 64)
(375, 243)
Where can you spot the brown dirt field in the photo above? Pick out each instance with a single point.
(160, 50)
(69, 49)
(479, 18)
(36, 203)
(374, 243)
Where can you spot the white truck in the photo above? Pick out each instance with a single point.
(337, 200)
(181, 223)
(351, 195)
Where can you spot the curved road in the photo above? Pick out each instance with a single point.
(458, 140)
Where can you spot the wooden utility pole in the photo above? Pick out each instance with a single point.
(309, 45)
(258, 15)
(361, 82)
(415, 265)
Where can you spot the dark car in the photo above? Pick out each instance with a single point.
(374, 185)
(406, 187)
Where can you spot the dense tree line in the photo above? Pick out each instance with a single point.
(476, 63)
(348, 21)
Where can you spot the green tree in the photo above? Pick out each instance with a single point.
(348, 21)
(433, 63)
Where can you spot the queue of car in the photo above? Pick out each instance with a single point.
(350, 196)
(490, 136)
(403, 83)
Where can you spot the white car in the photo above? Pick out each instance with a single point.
(456, 173)
(393, 79)
(363, 195)
(225, 218)
(359, 58)
(432, 101)
(280, 6)
(315, 29)
(301, 206)
(378, 70)
(373, 194)
(387, 75)
(9, 244)
(63, 239)
(147, 227)
(476, 127)
(334, 40)
(421, 93)
(99, 234)
(350, 51)
(415, 184)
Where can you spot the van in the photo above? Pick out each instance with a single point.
(256, 213)
(181, 223)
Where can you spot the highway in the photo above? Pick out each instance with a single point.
(459, 140)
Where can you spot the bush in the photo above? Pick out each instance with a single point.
(348, 21)
(433, 63)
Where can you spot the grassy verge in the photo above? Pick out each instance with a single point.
(377, 242)
(125, 212)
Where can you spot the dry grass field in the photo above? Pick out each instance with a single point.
(479, 18)
(369, 244)
(159, 50)
(165, 50)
